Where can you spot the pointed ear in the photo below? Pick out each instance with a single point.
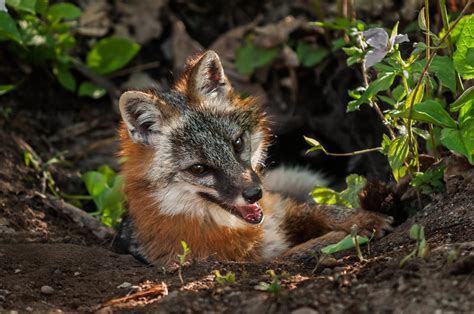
(141, 115)
(207, 78)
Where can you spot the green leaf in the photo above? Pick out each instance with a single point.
(308, 55)
(6, 88)
(322, 195)
(397, 154)
(466, 98)
(430, 111)
(464, 55)
(250, 57)
(23, 5)
(315, 145)
(382, 83)
(422, 19)
(443, 68)
(95, 182)
(460, 140)
(344, 244)
(65, 77)
(59, 11)
(355, 184)
(89, 89)
(41, 6)
(8, 28)
(111, 54)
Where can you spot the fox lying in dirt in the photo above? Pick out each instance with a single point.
(193, 166)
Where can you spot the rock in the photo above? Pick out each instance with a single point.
(304, 310)
(47, 290)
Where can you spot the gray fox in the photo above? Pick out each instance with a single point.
(193, 172)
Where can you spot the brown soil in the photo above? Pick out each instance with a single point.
(41, 247)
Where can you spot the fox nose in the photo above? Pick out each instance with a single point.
(252, 194)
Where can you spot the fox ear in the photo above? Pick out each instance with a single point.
(141, 114)
(207, 78)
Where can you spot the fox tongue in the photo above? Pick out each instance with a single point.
(251, 213)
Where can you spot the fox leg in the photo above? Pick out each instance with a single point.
(309, 249)
(302, 221)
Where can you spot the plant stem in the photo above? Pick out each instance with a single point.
(357, 152)
(444, 17)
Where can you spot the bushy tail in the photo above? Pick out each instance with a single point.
(295, 182)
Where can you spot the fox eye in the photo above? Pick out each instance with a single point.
(238, 144)
(199, 170)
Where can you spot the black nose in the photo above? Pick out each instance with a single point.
(253, 194)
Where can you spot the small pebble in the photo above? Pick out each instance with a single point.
(29, 309)
(124, 285)
(326, 271)
(17, 270)
(47, 290)
(76, 273)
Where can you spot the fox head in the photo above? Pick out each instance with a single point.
(197, 149)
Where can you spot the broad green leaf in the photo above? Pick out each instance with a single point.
(89, 89)
(310, 56)
(250, 57)
(315, 145)
(382, 83)
(397, 154)
(59, 11)
(443, 68)
(6, 88)
(431, 111)
(23, 5)
(322, 195)
(466, 97)
(108, 173)
(398, 93)
(111, 54)
(8, 28)
(65, 77)
(95, 182)
(464, 54)
(112, 197)
(417, 232)
(355, 184)
(41, 6)
(460, 140)
(344, 244)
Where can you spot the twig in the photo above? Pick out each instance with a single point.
(80, 217)
(98, 79)
(140, 67)
(357, 152)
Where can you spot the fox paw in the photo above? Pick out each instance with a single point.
(370, 222)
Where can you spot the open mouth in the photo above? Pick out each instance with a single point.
(251, 213)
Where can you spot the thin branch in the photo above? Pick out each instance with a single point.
(138, 68)
(357, 152)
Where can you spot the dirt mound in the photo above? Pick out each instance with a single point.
(49, 263)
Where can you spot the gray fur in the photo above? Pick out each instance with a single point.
(296, 182)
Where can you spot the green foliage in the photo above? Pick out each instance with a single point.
(345, 244)
(40, 33)
(6, 88)
(250, 57)
(348, 197)
(105, 187)
(414, 86)
(110, 54)
(228, 279)
(310, 56)
(186, 251)
(464, 55)
(417, 233)
(91, 90)
(274, 287)
(429, 181)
